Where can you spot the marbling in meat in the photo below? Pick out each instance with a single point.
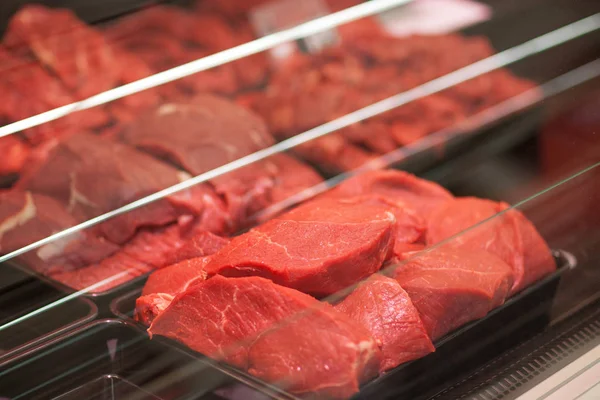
(385, 309)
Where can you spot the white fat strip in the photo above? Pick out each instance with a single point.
(56, 248)
(75, 197)
(24, 215)
(168, 108)
(183, 176)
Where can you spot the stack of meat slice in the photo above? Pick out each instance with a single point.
(51, 59)
(207, 132)
(311, 90)
(86, 175)
(78, 55)
(250, 303)
(166, 37)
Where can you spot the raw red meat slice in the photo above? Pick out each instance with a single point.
(318, 248)
(109, 273)
(30, 90)
(149, 249)
(334, 153)
(176, 278)
(451, 287)
(321, 353)
(510, 236)
(78, 55)
(418, 194)
(163, 285)
(14, 153)
(252, 189)
(65, 45)
(166, 37)
(385, 309)
(208, 132)
(240, 310)
(28, 217)
(89, 176)
(198, 244)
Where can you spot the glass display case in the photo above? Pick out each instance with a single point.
(271, 199)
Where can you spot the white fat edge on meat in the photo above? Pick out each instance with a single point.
(75, 197)
(257, 138)
(25, 214)
(56, 248)
(167, 109)
(183, 176)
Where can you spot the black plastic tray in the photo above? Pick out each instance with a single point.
(521, 316)
(109, 359)
(23, 321)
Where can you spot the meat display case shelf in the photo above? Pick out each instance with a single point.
(411, 379)
(21, 295)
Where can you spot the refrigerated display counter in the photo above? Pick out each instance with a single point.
(332, 199)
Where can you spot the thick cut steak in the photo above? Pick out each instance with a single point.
(107, 274)
(319, 352)
(250, 190)
(208, 132)
(221, 317)
(451, 287)
(163, 285)
(509, 236)
(78, 55)
(89, 176)
(27, 217)
(319, 248)
(385, 309)
(421, 195)
(149, 249)
(30, 90)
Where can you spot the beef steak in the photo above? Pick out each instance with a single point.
(509, 236)
(421, 195)
(207, 132)
(385, 309)
(319, 352)
(231, 313)
(89, 176)
(163, 285)
(319, 248)
(27, 217)
(451, 287)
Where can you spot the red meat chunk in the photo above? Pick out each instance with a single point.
(89, 176)
(27, 217)
(207, 132)
(148, 250)
(385, 309)
(176, 278)
(451, 287)
(77, 54)
(421, 195)
(320, 353)
(105, 275)
(509, 236)
(318, 248)
(241, 310)
(30, 90)
(163, 285)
